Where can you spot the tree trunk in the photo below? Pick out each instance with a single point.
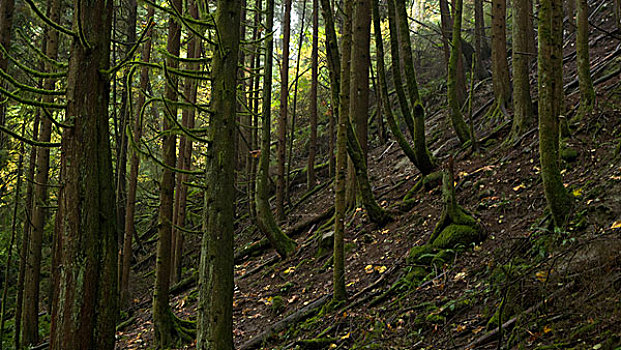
(414, 117)
(522, 103)
(340, 199)
(163, 319)
(85, 307)
(334, 68)
(479, 39)
(500, 66)
(185, 155)
(134, 164)
(550, 63)
(265, 219)
(310, 179)
(587, 94)
(284, 109)
(255, 99)
(457, 119)
(30, 317)
(6, 21)
(215, 310)
(445, 26)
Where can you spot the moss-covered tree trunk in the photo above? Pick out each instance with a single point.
(30, 316)
(500, 66)
(85, 307)
(550, 63)
(587, 94)
(215, 310)
(383, 89)
(312, 149)
(163, 319)
(265, 219)
(134, 165)
(479, 39)
(6, 21)
(522, 103)
(284, 110)
(340, 205)
(425, 163)
(445, 27)
(457, 119)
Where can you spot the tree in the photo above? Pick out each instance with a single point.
(85, 303)
(284, 110)
(587, 94)
(265, 219)
(310, 181)
(550, 63)
(30, 320)
(500, 66)
(522, 103)
(6, 21)
(163, 319)
(479, 39)
(457, 119)
(134, 165)
(215, 311)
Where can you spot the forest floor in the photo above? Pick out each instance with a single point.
(552, 290)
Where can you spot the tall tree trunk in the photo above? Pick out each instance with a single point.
(445, 26)
(85, 308)
(383, 89)
(334, 68)
(479, 39)
(163, 318)
(310, 178)
(284, 110)
(27, 228)
(550, 63)
(457, 119)
(6, 21)
(185, 154)
(340, 199)
(422, 154)
(500, 66)
(587, 94)
(265, 219)
(30, 317)
(134, 165)
(215, 310)
(254, 120)
(522, 103)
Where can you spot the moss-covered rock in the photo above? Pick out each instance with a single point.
(569, 154)
(455, 235)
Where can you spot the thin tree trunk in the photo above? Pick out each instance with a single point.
(500, 65)
(85, 308)
(457, 119)
(587, 94)
(479, 39)
(163, 318)
(425, 163)
(310, 174)
(255, 99)
(265, 219)
(215, 310)
(445, 26)
(134, 165)
(550, 62)
(6, 21)
(30, 317)
(522, 103)
(284, 110)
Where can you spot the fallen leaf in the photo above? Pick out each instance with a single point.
(519, 187)
(616, 224)
(368, 269)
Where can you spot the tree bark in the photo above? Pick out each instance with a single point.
(163, 318)
(500, 66)
(265, 219)
(284, 110)
(550, 63)
(215, 310)
(522, 103)
(479, 39)
(85, 307)
(6, 21)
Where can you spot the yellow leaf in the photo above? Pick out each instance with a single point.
(478, 330)
(368, 269)
(332, 346)
(547, 329)
(519, 187)
(346, 336)
(577, 192)
(289, 270)
(380, 269)
(460, 328)
(616, 224)
(542, 276)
